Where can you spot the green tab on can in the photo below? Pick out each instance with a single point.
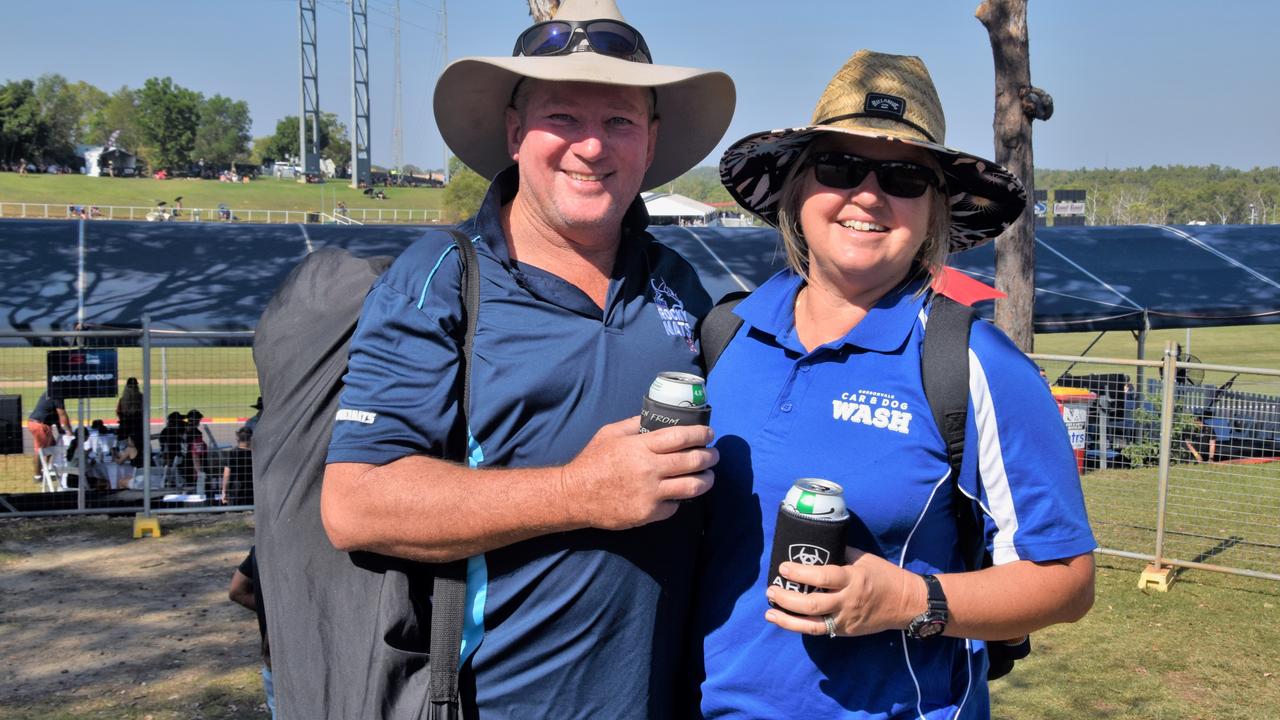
(804, 504)
(699, 395)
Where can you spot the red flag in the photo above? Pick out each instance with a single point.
(963, 288)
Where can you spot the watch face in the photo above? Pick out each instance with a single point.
(929, 628)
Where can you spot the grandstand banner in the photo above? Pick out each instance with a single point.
(83, 373)
(1068, 202)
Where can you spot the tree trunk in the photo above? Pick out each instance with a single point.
(1006, 24)
(541, 10)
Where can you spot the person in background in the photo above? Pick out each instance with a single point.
(129, 413)
(246, 591)
(823, 380)
(196, 447)
(48, 416)
(1200, 440)
(252, 423)
(237, 470)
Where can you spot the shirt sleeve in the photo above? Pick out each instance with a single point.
(401, 393)
(1026, 475)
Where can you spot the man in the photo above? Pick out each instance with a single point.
(579, 551)
(252, 423)
(49, 413)
(246, 591)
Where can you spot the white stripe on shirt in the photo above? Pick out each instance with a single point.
(991, 465)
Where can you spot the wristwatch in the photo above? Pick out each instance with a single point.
(932, 621)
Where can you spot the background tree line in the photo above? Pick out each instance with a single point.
(166, 125)
(1172, 195)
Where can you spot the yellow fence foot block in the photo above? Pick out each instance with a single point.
(1157, 578)
(145, 526)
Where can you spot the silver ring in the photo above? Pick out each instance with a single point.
(831, 625)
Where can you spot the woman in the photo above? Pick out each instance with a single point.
(129, 413)
(121, 470)
(869, 203)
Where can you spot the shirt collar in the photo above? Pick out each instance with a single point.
(771, 309)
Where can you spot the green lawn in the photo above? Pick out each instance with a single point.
(264, 194)
(1208, 649)
(1246, 345)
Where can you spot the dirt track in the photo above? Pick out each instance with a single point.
(96, 624)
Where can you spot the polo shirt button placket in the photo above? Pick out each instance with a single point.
(786, 406)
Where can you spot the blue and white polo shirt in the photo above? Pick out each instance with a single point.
(585, 624)
(854, 411)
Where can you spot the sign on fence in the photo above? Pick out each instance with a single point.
(82, 373)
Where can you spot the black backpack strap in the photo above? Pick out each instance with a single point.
(719, 327)
(944, 368)
(449, 589)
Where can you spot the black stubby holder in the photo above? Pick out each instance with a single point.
(655, 415)
(809, 542)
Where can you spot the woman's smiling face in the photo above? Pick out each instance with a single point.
(863, 237)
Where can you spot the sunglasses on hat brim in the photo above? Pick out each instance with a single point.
(604, 37)
(844, 171)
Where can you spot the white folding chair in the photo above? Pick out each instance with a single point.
(53, 468)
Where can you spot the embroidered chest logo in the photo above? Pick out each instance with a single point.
(671, 309)
(876, 409)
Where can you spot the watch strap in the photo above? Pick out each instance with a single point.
(937, 598)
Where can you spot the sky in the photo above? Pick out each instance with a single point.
(1135, 82)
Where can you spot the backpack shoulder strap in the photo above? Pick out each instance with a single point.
(719, 327)
(449, 588)
(944, 369)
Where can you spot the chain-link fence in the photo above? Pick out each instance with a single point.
(161, 434)
(1185, 473)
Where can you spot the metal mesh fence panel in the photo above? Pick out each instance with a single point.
(1115, 431)
(187, 410)
(1223, 499)
(1222, 486)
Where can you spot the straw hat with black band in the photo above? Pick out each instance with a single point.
(694, 105)
(890, 98)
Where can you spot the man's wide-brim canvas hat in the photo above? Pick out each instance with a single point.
(883, 97)
(694, 105)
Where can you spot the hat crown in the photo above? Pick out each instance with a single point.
(588, 10)
(885, 94)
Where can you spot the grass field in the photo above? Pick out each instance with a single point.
(144, 629)
(264, 194)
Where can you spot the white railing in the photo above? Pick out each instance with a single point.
(351, 216)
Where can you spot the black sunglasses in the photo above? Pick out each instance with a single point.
(606, 37)
(843, 171)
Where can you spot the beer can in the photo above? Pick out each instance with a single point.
(674, 398)
(816, 499)
(811, 528)
(679, 389)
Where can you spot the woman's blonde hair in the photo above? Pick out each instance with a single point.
(929, 260)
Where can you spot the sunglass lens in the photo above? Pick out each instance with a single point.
(611, 38)
(547, 39)
(845, 172)
(905, 180)
(839, 171)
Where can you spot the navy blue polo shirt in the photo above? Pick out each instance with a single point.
(854, 411)
(581, 624)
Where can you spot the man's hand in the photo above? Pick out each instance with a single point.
(624, 478)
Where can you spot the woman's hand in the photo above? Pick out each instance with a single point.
(868, 595)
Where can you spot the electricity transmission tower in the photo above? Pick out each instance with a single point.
(360, 164)
(397, 129)
(309, 112)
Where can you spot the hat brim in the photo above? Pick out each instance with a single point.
(695, 106)
(985, 198)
